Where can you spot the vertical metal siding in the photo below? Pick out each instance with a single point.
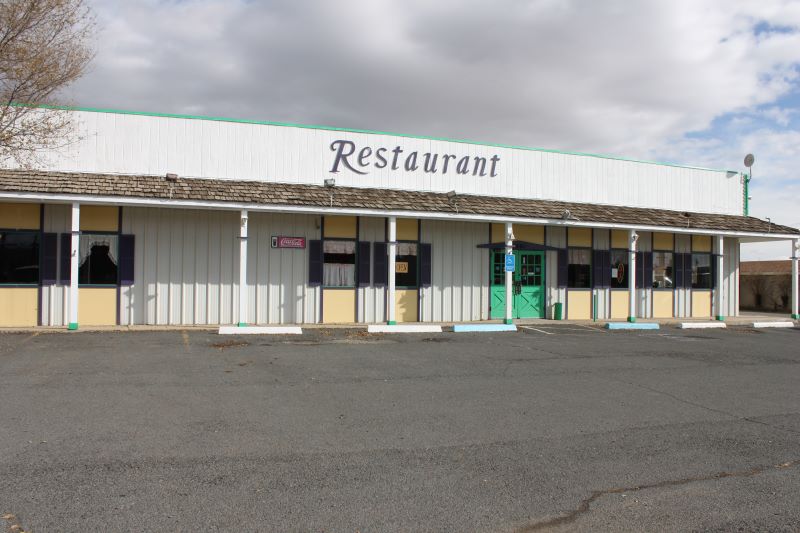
(557, 237)
(131, 144)
(602, 241)
(371, 299)
(460, 272)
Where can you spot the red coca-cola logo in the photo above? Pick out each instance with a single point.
(288, 242)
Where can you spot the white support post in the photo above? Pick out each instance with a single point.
(74, 256)
(633, 237)
(243, 268)
(392, 259)
(720, 277)
(795, 258)
(509, 274)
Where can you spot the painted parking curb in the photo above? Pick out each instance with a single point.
(702, 325)
(383, 328)
(257, 330)
(632, 325)
(483, 328)
(773, 324)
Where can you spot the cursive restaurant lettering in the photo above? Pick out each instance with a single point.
(360, 161)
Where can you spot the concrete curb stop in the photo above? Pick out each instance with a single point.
(702, 325)
(384, 328)
(483, 328)
(773, 324)
(257, 330)
(632, 325)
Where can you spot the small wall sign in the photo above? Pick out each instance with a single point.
(401, 267)
(288, 242)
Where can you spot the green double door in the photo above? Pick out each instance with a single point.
(527, 288)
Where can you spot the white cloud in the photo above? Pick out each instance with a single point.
(627, 78)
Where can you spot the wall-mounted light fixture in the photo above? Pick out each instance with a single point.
(330, 182)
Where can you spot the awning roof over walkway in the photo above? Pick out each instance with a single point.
(193, 192)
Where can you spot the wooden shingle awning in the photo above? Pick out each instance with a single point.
(46, 183)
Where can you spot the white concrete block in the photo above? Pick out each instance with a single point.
(259, 330)
(701, 325)
(786, 324)
(402, 328)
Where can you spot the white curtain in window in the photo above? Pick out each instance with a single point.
(339, 247)
(338, 275)
(406, 248)
(87, 241)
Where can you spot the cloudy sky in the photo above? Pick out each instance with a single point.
(700, 82)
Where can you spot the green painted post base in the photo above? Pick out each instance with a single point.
(508, 321)
(721, 318)
(631, 319)
(796, 317)
(72, 326)
(391, 323)
(242, 324)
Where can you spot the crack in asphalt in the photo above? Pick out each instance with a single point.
(586, 503)
(707, 408)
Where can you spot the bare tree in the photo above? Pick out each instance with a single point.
(44, 47)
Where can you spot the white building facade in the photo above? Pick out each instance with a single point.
(172, 220)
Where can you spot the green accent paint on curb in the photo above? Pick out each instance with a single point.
(72, 326)
(508, 321)
(242, 324)
(796, 317)
(631, 319)
(721, 318)
(353, 130)
(391, 323)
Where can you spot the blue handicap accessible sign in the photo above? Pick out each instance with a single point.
(510, 263)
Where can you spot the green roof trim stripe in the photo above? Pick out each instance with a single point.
(369, 132)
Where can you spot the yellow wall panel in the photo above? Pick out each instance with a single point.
(662, 304)
(620, 304)
(340, 227)
(405, 305)
(579, 237)
(99, 218)
(19, 306)
(528, 233)
(701, 243)
(663, 241)
(407, 229)
(619, 239)
(579, 305)
(522, 232)
(701, 303)
(338, 306)
(19, 216)
(97, 306)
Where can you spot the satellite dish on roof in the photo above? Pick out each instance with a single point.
(749, 160)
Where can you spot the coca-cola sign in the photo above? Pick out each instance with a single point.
(288, 242)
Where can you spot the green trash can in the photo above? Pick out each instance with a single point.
(558, 310)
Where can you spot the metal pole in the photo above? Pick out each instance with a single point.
(392, 260)
(720, 276)
(632, 238)
(243, 268)
(509, 274)
(74, 266)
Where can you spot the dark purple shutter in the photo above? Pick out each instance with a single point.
(363, 263)
(563, 267)
(127, 252)
(380, 276)
(606, 270)
(648, 269)
(687, 271)
(715, 273)
(315, 262)
(66, 246)
(601, 269)
(639, 270)
(49, 258)
(680, 277)
(425, 264)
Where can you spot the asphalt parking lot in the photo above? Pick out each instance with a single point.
(551, 428)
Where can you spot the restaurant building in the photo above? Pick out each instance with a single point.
(181, 220)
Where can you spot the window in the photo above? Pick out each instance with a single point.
(19, 257)
(619, 269)
(701, 271)
(579, 271)
(663, 270)
(99, 259)
(405, 272)
(339, 263)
